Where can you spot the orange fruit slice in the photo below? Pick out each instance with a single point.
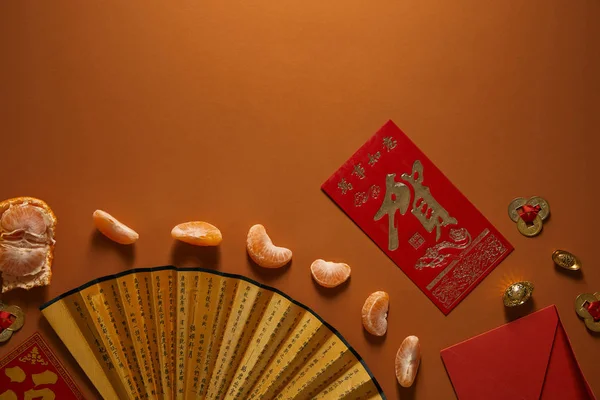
(374, 313)
(25, 216)
(113, 229)
(21, 261)
(27, 227)
(197, 233)
(329, 274)
(262, 250)
(408, 359)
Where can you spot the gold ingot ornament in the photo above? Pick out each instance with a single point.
(566, 260)
(587, 306)
(517, 294)
(17, 323)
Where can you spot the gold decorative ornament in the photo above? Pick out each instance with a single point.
(566, 260)
(517, 294)
(587, 306)
(530, 230)
(34, 357)
(17, 323)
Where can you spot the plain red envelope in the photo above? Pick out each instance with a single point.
(412, 211)
(530, 358)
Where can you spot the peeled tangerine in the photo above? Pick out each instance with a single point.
(113, 229)
(27, 242)
(374, 313)
(330, 274)
(197, 233)
(408, 359)
(262, 250)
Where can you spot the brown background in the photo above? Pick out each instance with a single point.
(236, 112)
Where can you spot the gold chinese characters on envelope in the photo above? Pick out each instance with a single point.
(31, 371)
(406, 205)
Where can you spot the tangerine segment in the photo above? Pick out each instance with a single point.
(198, 233)
(27, 214)
(24, 217)
(42, 278)
(262, 250)
(408, 359)
(330, 274)
(374, 313)
(114, 229)
(21, 261)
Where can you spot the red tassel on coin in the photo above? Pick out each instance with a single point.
(594, 309)
(5, 320)
(528, 213)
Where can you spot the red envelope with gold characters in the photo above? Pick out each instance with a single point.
(406, 205)
(31, 371)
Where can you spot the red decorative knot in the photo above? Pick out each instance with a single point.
(594, 309)
(528, 213)
(5, 320)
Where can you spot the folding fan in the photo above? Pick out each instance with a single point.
(169, 333)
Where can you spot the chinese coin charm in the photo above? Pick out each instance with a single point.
(12, 319)
(587, 306)
(529, 214)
